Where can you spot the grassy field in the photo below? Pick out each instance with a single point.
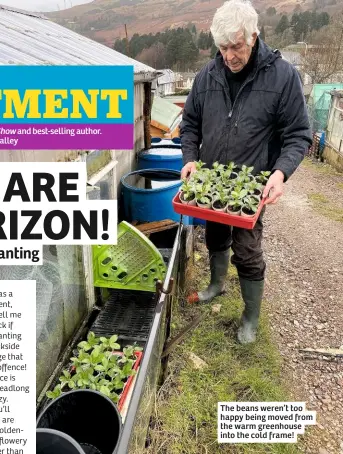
(185, 417)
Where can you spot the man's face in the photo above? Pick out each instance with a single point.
(236, 56)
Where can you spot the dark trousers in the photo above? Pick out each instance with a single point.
(245, 244)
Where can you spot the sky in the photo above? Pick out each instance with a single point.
(42, 5)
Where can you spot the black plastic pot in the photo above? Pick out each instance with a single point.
(49, 441)
(87, 416)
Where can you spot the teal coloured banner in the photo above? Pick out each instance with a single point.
(67, 95)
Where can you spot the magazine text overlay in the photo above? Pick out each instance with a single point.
(49, 207)
(66, 108)
(262, 422)
(17, 367)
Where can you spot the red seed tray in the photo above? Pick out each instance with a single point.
(216, 216)
(128, 384)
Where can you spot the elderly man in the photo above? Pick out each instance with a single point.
(245, 106)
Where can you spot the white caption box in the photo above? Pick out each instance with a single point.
(17, 367)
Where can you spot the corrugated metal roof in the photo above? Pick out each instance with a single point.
(32, 39)
(164, 112)
(168, 77)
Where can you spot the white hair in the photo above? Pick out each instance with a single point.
(233, 17)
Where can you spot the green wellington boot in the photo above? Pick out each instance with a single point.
(252, 293)
(219, 264)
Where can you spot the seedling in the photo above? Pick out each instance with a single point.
(263, 177)
(250, 206)
(98, 365)
(224, 186)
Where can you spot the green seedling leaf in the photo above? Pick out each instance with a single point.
(99, 368)
(114, 397)
(118, 384)
(127, 369)
(85, 345)
(128, 351)
(105, 390)
(50, 395)
(91, 336)
(114, 345)
(55, 393)
(96, 352)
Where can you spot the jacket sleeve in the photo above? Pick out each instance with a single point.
(190, 127)
(293, 126)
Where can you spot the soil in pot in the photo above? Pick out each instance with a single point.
(204, 205)
(233, 175)
(246, 212)
(257, 193)
(219, 205)
(190, 201)
(234, 210)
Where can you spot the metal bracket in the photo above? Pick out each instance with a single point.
(160, 289)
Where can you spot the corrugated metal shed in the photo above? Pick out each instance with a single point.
(168, 77)
(31, 39)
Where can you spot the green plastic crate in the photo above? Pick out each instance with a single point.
(133, 264)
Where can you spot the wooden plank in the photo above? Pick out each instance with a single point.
(335, 352)
(157, 226)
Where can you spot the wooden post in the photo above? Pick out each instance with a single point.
(147, 114)
(127, 43)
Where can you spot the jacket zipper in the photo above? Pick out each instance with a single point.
(240, 105)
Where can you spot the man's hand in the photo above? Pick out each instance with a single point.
(188, 169)
(274, 188)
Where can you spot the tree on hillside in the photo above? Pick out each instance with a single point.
(282, 25)
(214, 50)
(202, 40)
(324, 60)
(300, 23)
(154, 56)
(263, 33)
(271, 11)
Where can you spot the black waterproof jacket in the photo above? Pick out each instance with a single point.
(267, 126)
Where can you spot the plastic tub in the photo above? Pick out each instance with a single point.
(49, 441)
(148, 194)
(161, 158)
(87, 416)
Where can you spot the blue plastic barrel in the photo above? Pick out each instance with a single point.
(148, 193)
(159, 142)
(163, 157)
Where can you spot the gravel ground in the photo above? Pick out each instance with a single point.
(304, 289)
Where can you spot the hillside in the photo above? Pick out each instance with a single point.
(103, 20)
